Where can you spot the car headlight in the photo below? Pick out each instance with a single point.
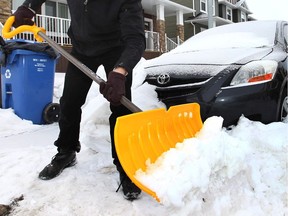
(256, 71)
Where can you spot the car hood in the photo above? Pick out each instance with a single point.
(194, 61)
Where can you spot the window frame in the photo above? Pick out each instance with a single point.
(228, 9)
(243, 16)
(206, 6)
(57, 2)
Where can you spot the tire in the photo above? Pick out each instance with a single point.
(51, 113)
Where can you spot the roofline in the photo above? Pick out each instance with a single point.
(173, 4)
(235, 7)
(171, 8)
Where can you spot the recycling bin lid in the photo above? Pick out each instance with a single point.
(14, 44)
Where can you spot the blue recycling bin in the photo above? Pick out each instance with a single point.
(27, 82)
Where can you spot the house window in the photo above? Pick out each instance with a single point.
(56, 9)
(148, 23)
(204, 6)
(50, 8)
(229, 13)
(63, 11)
(243, 17)
(152, 40)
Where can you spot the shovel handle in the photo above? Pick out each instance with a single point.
(8, 33)
(40, 35)
(125, 101)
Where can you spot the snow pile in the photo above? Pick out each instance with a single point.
(212, 173)
(11, 124)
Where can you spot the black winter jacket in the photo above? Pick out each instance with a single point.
(98, 26)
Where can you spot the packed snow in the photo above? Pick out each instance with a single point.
(245, 35)
(241, 170)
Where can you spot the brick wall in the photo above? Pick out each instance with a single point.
(180, 31)
(5, 10)
(161, 30)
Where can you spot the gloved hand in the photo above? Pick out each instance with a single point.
(114, 88)
(23, 16)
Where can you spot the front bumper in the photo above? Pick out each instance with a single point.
(256, 102)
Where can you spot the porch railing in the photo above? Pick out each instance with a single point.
(57, 28)
(172, 43)
(152, 41)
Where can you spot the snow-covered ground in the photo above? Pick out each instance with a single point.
(239, 171)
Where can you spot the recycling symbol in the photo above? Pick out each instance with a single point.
(7, 74)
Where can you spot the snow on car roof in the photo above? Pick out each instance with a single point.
(246, 34)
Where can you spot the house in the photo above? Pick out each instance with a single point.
(224, 12)
(167, 22)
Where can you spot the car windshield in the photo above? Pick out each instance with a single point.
(240, 35)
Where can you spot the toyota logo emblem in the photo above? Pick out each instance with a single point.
(163, 79)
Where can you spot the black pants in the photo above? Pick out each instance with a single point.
(76, 88)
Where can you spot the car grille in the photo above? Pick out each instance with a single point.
(179, 90)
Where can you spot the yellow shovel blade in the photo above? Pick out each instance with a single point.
(146, 135)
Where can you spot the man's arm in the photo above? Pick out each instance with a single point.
(132, 31)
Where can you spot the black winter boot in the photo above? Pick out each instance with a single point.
(59, 162)
(130, 190)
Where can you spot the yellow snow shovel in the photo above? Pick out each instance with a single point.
(139, 137)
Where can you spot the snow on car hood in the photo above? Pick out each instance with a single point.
(204, 61)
